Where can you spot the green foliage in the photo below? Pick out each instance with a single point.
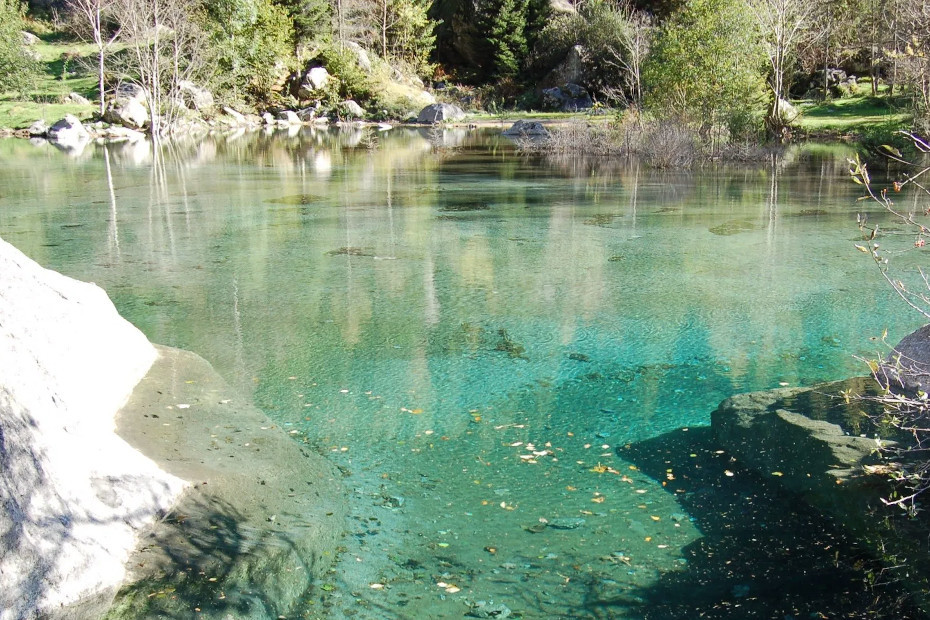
(252, 41)
(411, 33)
(708, 66)
(310, 19)
(17, 68)
(602, 29)
(352, 81)
(505, 24)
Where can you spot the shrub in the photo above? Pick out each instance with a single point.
(19, 67)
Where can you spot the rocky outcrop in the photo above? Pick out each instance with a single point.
(440, 113)
(183, 488)
(74, 494)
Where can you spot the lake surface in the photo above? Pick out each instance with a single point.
(512, 360)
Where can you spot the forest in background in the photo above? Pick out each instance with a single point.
(714, 65)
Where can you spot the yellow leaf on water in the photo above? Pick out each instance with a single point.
(416, 411)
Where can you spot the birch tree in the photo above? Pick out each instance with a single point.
(781, 25)
(94, 20)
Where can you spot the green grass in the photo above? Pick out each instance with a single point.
(65, 67)
(860, 113)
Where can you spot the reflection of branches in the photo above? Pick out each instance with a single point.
(904, 377)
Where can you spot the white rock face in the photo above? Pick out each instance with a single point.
(73, 494)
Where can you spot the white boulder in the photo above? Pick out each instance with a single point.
(73, 494)
(69, 133)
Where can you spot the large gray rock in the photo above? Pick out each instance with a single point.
(195, 97)
(567, 98)
(361, 56)
(73, 495)
(349, 109)
(128, 107)
(440, 113)
(527, 129)
(907, 368)
(69, 133)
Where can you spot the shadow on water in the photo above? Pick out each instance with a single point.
(205, 560)
(763, 553)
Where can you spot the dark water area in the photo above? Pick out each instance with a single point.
(513, 360)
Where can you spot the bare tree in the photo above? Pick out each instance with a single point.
(92, 20)
(781, 24)
(166, 47)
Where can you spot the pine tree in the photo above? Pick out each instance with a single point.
(505, 23)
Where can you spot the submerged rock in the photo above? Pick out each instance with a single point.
(566, 523)
(262, 517)
(489, 609)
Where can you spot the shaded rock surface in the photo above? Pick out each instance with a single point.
(820, 446)
(262, 517)
(907, 368)
(567, 98)
(73, 494)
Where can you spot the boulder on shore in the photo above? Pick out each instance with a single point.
(69, 133)
(195, 97)
(440, 113)
(128, 107)
(527, 129)
(74, 495)
(567, 98)
(106, 497)
(351, 110)
(907, 369)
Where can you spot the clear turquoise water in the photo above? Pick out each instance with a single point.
(472, 334)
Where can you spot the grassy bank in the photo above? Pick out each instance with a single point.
(861, 116)
(64, 68)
